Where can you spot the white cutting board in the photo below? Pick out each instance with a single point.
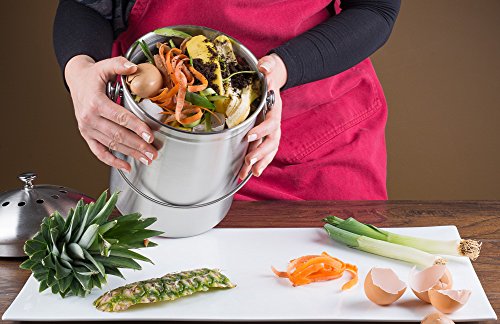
(246, 256)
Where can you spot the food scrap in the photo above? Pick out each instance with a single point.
(313, 268)
(169, 287)
(200, 85)
(383, 287)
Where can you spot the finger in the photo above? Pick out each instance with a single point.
(260, 166)
(266, 64)
(117, 65)
(121, 135)
(269, 144)
(105, 156)
(121, 116)
(247, 163)
(120, 147)
(268, 148)
(268, 126)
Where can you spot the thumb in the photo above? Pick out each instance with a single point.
(117, 65)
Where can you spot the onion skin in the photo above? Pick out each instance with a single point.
(146, 82)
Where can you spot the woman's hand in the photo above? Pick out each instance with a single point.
(102, 123)
(265, 138)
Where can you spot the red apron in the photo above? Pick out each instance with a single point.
(333, 130)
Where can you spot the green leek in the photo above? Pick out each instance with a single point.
(385, 249)
(468, 248)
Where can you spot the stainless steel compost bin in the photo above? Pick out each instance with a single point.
(190, 187)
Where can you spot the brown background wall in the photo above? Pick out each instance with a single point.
(440, 71)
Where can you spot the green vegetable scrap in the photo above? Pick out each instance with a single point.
(74, 255)
(169, 287)
(382, 248)
(459, 247)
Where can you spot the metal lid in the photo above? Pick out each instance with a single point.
(22, 211)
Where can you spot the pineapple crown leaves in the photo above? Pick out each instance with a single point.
(74, 255)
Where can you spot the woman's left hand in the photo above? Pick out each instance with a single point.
(265, 138)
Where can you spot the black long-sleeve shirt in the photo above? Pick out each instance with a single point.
(89, 27)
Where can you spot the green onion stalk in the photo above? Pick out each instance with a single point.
(460, 247)
(382, 248)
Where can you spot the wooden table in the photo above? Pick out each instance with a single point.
(475, 219)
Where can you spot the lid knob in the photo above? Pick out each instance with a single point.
(27, 178)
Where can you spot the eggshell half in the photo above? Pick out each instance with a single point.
(448, 301)
(436, 318)
(434, 277)
(383, 287)
(146, 82)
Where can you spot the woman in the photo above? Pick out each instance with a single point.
(324, 137)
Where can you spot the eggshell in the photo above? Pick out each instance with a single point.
(383, 287)
(448, 301)
(434, 277)
(436, 318)
(146, 82)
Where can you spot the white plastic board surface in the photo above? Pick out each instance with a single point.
(245, 256)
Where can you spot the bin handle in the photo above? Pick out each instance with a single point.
(169, 204)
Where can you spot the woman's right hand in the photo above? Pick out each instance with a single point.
(103, 123)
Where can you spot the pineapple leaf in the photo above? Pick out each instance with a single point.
(47, 262)
(83, 278)
(68, 225)
(59, 220)
(107, 226)
(40, 275)
(43, 286)
(51, 278)
(65, 263)
(95, 281)
(119, 262)
(64, 284)
(76, 251)
(88, 265)
(104, 213)
(61, 271)
(77, 219)
(83, 223)
(104, 247)
(113, 271)
(55, 288)
(45, 230)
(32, 246)
(98, 265)
(38, 256)
(27, 264)
(89, 236)
(143, 223)
(129, 218)
(64, 254)
(99, 204)
(122, 252)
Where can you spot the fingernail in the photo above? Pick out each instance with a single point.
(144, 161)
(129, 64)
(266, 66)
(146, 137)
(259, 172)
(124, 170)
(252, 137)
(149, 155)
(252, 161)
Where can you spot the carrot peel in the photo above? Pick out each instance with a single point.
(313, 268)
